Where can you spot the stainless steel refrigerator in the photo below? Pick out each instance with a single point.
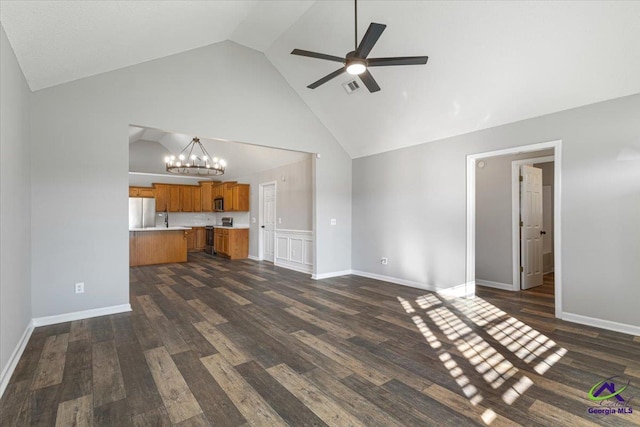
(142, 212)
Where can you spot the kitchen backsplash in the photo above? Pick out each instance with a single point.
(199, 219)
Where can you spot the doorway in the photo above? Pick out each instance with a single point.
(267, 221)
(475, 161)
(533, 226)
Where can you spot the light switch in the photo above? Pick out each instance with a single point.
(279, 220)
(333, 221)
(253, 220)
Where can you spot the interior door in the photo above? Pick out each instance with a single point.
(531, 230)
(268, 220)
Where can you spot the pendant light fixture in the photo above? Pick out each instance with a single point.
(194, 160)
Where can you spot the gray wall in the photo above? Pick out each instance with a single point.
(494, 260)
(15, 203)
(147, 156)
(294, 198)
(409, 205)
(79, 226)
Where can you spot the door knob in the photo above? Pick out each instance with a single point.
(262, 226)
(543, 232)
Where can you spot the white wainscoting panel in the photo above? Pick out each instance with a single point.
(294, 250)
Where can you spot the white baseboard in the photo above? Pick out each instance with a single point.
(296, 266)
(395, 280)
(77, 315)
(332, 274)
(601, 323)
(496, 285)
(14, 358)
(253, 257)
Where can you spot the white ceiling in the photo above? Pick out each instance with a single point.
(490, 63)
(242, 159)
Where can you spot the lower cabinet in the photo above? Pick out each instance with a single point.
(157, 247)
(196, 239)
(231, 243)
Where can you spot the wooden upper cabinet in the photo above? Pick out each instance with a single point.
(141, 192)
(174, 198)
(186, 198)
(197, 198)
(206, 196)
(227, 196)
(162, 197)
(240, 200)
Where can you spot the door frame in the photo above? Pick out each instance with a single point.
(261, 215)
(515, 213)
(470, 276)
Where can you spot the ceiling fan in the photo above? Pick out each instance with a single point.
(356, 61)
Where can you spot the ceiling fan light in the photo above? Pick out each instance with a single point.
(356, 67)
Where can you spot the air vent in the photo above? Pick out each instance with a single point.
(351, 86)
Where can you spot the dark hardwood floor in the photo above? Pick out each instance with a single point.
(235, 343)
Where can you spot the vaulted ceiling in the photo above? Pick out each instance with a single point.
(490, 63)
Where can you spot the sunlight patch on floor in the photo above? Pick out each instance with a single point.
(453, 317)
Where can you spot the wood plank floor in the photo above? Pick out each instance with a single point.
(243, 343)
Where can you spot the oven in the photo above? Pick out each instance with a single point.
(209, 247)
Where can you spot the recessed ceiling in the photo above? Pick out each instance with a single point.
(148, 147)
(490, 63)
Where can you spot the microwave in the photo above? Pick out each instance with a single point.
(218, 204)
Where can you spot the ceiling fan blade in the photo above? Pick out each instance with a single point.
(317, 55)
(327, 78)
(401, 60)
(369, 40)
(369, 81)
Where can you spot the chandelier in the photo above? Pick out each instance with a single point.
(194, 160)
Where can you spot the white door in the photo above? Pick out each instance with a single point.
(268, 221)
(531, 230)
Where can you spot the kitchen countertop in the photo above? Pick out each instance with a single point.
(160, 228)
(235, 227)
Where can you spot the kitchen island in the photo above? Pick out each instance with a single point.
(157, 245)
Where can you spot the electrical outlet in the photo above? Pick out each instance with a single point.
(384, 261)
(80, 288)
(333, 221)
(253, 220)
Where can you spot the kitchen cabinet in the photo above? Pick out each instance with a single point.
(201, 238)
(186, 198)
(240, 198)
(174, 198)
(206, 196)
(196, 192)
(196, 198)
(162, 197)
(196, 239)
(157, 247)
(231, 243)
(141, 192)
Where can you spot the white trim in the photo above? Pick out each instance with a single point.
(253, 257)
(515, 214)
(601, 323)
(261, 215)
(165, 175)
(496, 285)
(396, 280)
(15, 357)
(302, 268)
(471, 212)
(77, 315)
(331, 274)
(284, 253)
